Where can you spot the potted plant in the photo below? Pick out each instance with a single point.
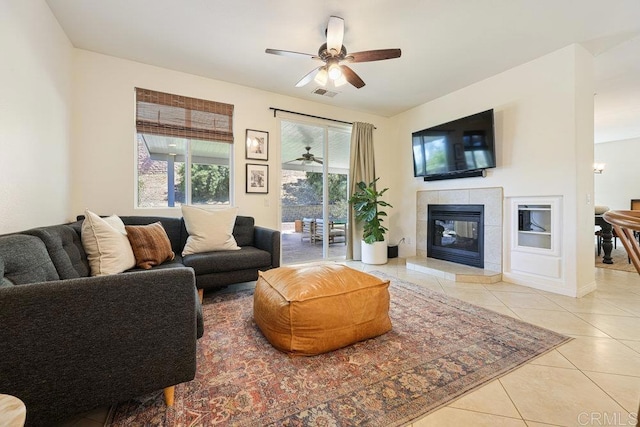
(366, 203)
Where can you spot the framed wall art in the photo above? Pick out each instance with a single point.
(257, 145)
(257, 178)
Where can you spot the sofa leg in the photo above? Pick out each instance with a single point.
(201, 294)
(168, 395)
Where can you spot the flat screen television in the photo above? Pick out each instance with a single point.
(462, 147)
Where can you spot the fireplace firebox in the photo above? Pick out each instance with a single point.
(456, 233)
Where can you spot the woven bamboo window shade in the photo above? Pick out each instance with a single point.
(160, 113)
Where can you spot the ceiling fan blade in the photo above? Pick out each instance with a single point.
(290, 53)
(317, 160)
(352, 77)
(292, 161)
(335, 34)
(310, 76)
(374, 55)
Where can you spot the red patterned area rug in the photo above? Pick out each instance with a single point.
(439, 349)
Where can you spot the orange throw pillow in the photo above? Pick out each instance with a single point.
(150, 244)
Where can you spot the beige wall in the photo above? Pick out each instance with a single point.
(620, 181)
(35, 109)
(104, 133)
(544, 132)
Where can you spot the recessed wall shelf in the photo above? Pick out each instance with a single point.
(534, 225)
(535, 237)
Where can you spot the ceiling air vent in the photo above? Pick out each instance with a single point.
(322, 91)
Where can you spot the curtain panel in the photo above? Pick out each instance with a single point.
(362, 168)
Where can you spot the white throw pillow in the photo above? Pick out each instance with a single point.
(209, 229)
(106, 244)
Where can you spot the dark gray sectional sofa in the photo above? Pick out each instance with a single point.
(71, 342)
(259, 250)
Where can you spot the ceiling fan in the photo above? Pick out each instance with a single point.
(334, 55)
(307, 157)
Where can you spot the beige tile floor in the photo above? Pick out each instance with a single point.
(593, 380)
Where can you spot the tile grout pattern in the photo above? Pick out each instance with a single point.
(593, 380)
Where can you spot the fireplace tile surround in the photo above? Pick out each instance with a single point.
(491, 198)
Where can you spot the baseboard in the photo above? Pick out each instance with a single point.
(535, 283)
(584, 290)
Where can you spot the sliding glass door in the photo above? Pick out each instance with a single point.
(315, 169)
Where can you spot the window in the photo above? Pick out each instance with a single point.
(184, 148)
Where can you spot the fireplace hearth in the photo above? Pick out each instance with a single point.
(456, 233)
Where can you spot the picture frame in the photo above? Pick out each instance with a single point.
(257, 178)
(257, 145)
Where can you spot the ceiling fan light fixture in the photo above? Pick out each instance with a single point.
(322, 76)
(333, 53)
(340, 81)
(334, 71)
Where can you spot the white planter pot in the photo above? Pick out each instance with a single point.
(374, 253)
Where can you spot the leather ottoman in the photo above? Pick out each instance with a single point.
(312, 309)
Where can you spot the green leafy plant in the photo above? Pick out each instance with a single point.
(209, 183)
(366, 203)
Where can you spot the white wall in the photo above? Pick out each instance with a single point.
(544, 130)
(620, 181)
(104, 133)
(35, 97)
(584, 88)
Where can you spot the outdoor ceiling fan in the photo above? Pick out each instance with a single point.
(334, 55)
(307, 157)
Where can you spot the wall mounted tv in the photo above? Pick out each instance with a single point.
(457, 149)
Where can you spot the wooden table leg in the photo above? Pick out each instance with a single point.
(169, 393)
(607, 245)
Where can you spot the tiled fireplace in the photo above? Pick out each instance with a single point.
(491, 201)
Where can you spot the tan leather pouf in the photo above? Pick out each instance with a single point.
(312, 309)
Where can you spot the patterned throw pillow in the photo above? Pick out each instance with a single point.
(150, 244)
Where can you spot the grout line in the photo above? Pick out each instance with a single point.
(604, 391)
(510, 398)
(628, 346)
(544, 424)
(493, 414)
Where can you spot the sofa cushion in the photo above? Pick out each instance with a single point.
(209, 230)
(3, 280)
(150, 244)
(247, 257)
(243, 230)
(176, 262)
(65, 249)
(25, 260)
(106, 244)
